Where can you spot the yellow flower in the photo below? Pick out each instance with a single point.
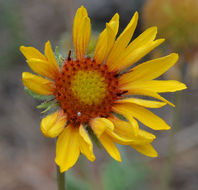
(92, 93)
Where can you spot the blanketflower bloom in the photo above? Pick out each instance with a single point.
(97, 96)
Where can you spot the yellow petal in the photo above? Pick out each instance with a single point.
(86, 146)
(158, 85)
(50, 56)
(104, 45)
(53, 124)
(110, 147)
(114, 23)
(123, 134)
(46, 66)
(102, 125)
(37, 84)
(147, 36)
(67, 148)
(99, 125)
(123, 129)
(106, 40)
(130, 56)
(141, 102)
(123, 140)
(149, 70)
(129, 117)
(146, 135)
(146, 149)
(142, 40)
(143, 115)
(42, 67)
(81, 32)
(118, 138)
(133, 91)
(31, 52)
(80, 14)
(122, 42)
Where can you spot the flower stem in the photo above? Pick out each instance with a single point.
(61, 179)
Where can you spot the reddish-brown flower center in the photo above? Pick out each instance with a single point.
(86, 90)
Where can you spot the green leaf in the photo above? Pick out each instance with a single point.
(37, 96)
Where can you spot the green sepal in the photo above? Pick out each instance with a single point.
(50, 107)
(47, 105)
(94, 137)
(60, 59)
(37, 96)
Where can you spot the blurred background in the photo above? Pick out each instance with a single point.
(27, 157)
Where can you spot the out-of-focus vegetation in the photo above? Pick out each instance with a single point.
(112, 175)
(12, 33)
(177, 22)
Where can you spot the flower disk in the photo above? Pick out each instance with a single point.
(89, 87)
(86, 90)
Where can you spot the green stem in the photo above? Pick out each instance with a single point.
(61, 179)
